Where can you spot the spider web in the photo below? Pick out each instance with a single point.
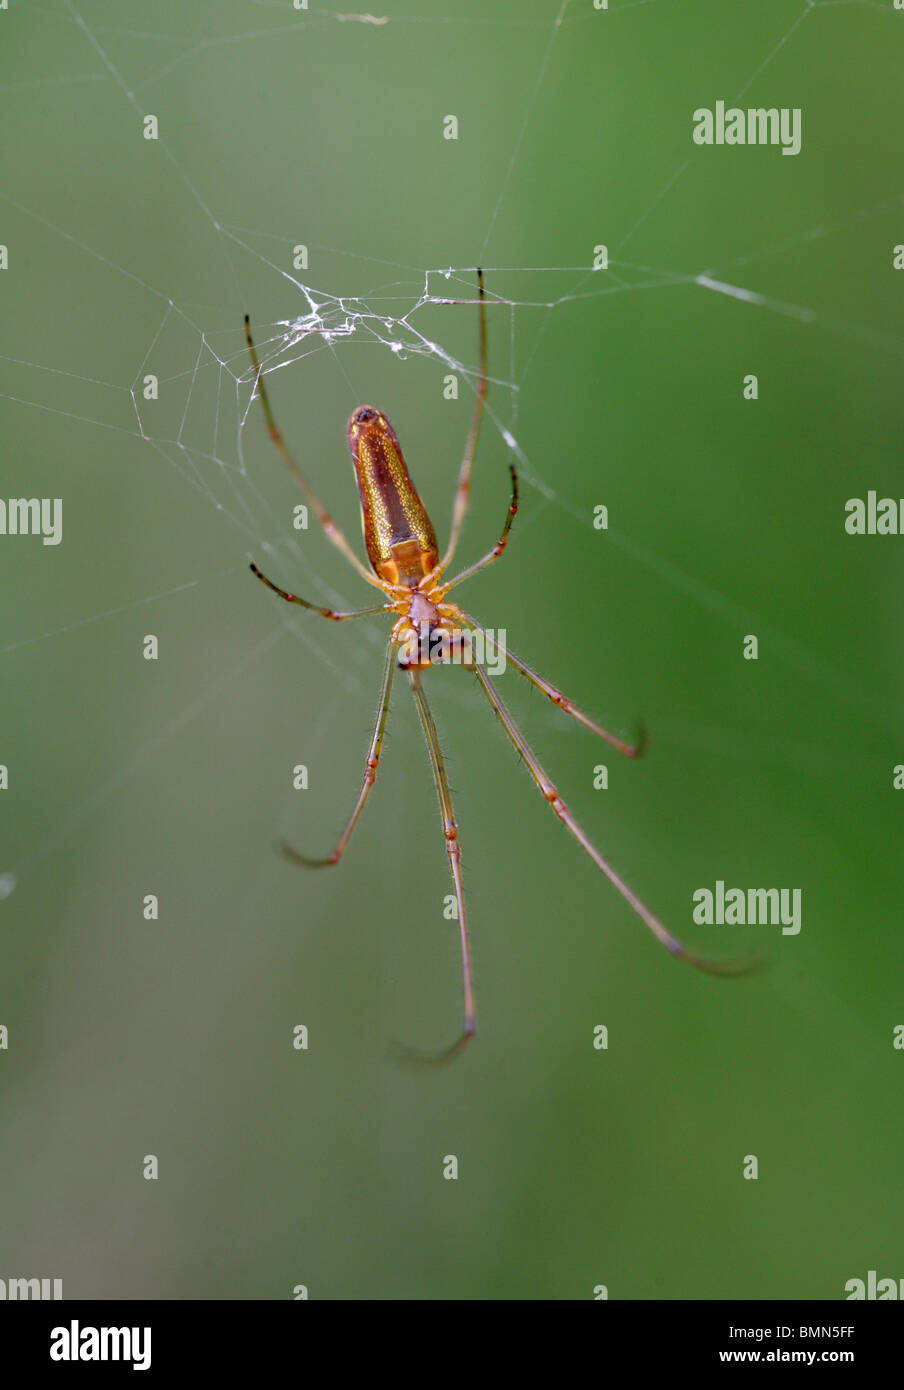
(132, 259)
(209, 430)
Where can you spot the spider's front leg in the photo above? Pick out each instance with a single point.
(453, 849)
(314, 607)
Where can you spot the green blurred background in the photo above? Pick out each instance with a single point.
(578, 1167)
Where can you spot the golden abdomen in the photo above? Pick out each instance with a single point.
(398, 533)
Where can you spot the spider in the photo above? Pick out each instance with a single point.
(429, 629)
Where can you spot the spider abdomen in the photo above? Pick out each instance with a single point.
(398, 533)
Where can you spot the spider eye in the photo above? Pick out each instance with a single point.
(364, 413)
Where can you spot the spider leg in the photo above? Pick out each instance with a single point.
(463, 490)
(370, 775)
(314, 607)
(407, 1054)
(330, 529)
(558, 807)
(500, 545)
(629, 750)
